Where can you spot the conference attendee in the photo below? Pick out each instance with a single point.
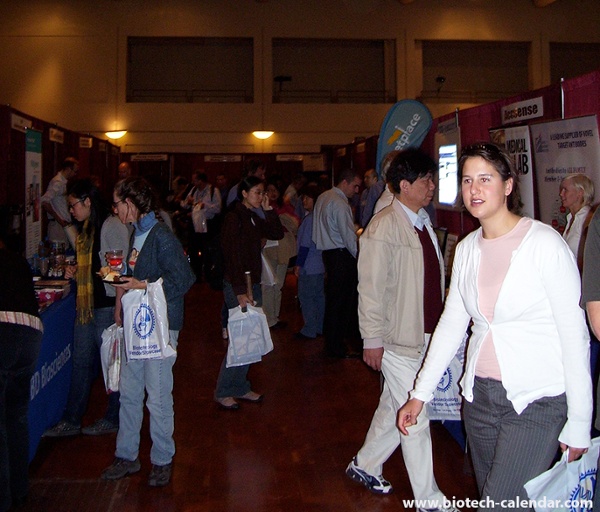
(54, 203)
(590, 299)
(277, 255)
(292, 194)
(155, 252)
(400, 291)
(242, 236)
(334, 234)
(577, 196)
(222, 183)
(20, 339)
(386, 196)
(208, 198)
(310, 271)
(95, 306)
(124, 170)
(526, 386)
(252, 168)
(368, 197)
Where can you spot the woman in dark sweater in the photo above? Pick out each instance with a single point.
(20, 339)
(242, 237)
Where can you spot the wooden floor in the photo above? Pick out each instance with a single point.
(286, 454)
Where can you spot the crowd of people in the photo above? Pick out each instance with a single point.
(371, 281)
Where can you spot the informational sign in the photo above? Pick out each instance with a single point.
(221, 158)
(33, 181)
(56, 135)
(20, 123)
(85, 142)
(447, 148)
(564, 147)
(523, 110)
(517, 143)
(405, 125)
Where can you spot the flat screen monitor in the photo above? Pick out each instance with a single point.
(448, 168)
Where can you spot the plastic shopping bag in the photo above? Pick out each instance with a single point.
(566, 486)
(145, 323)
(446, 402)
(249, 336)
(110, 355)
(199, 219)
(267, 277)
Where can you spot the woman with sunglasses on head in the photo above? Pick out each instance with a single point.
(155, 253)
(527, 384)
(95, 306)
(242, 238)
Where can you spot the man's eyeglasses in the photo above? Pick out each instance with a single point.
(115, 204)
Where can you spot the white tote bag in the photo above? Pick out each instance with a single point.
(566, 486)
(267, 277)
(110, 356)
(249, 336)
(145, 323)
(199, 219)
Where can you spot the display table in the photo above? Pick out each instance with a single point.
(52, 377)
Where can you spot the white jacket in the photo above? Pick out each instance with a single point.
(539, 330)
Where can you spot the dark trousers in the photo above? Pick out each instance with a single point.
(233, 381)
(197, 250)
(341, 301)
(19, 349)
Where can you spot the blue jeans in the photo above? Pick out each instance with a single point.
(86, 355)
(19, 349)
(155, 376)
(232, 381)
(311, 292)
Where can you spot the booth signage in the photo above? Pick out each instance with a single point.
(517, 143)
(33, 180)
(20, 123)
(405, 125)
(289, 158)
(56, 135)
(523, 110)
(222, 158)
(561, 148)
(313, 163)
(159, 157)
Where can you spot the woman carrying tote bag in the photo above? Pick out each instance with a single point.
(155, 253)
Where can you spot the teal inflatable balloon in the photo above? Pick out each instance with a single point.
(405, 126)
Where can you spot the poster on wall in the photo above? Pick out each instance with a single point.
(33, 181)
(447, 150)
(517, 143)
(564, 147)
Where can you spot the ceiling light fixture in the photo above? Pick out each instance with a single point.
(262, 134)
(117, 134)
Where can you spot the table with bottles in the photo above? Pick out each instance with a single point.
(51, 380)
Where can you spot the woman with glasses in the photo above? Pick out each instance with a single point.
(526, 384)
(242, 238)
(95, 306)
(154, 253)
